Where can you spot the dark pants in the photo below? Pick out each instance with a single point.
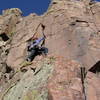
(43, 51)
(36, 51)
(31, 55)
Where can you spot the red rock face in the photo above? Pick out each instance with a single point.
(65, 83)
(72, 38)
(71, 31)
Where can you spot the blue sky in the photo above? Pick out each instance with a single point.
(27, 6)
(96, 0)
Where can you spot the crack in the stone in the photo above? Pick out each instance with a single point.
(83, 78)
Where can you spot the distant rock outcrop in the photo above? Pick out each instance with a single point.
(72, 30)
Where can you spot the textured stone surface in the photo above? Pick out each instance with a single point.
(8, 21)
(73, 41)
(92, 86)
(32, 85)
(65, 84)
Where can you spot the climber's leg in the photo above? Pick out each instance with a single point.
(43, 51)
(31, 55)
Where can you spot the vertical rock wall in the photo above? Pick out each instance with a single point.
(73, 41)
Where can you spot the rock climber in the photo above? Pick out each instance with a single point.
(34, 48)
